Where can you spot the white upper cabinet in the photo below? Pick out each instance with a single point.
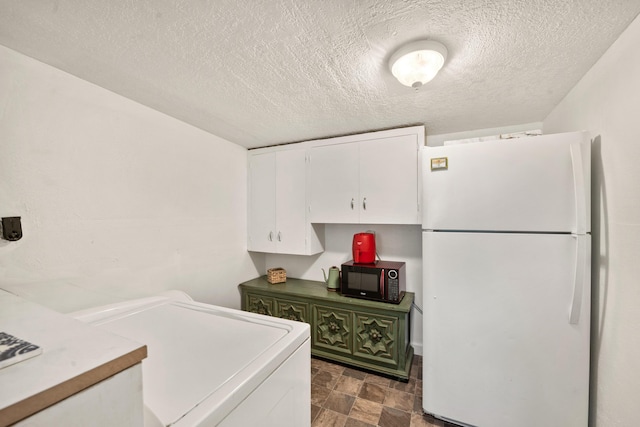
(334, 184)
(389, 175)
(277, 217)
(294, 189)
(262, 202)
(371, 180)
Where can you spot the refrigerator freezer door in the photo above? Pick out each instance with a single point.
(530, 184)
(501, 347)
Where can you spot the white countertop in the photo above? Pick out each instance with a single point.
(75, 355)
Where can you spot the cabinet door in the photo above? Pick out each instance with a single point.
(389, 181)
(260, 304)
(262, 203)
(376, 338)
(291, 202)
(334, 184)
(293, 310)
(331, 330)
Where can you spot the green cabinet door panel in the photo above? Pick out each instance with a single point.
(376, 338)
(261, 305)
(331, 329)
(293, 310)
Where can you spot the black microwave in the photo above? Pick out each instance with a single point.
(382, 281)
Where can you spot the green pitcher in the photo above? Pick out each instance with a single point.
(333, 281)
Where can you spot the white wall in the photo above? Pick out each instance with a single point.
(607, 103)
(116, 199)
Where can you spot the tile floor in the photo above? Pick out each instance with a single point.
(347, 397)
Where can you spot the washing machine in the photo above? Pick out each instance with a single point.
(214, 366)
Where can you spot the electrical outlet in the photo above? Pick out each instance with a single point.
(11, 228)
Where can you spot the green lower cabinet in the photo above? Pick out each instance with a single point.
(376, 338)
(331, 330)
(293, 310)
(260, 304)
(365, 334)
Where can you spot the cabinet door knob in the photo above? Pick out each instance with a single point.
(364, 203)
(352, 203)
(271, 236)
(279, 236)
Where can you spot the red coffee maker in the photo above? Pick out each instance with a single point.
(364, 248)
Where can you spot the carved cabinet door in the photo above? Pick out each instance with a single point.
(293, 310)
(331, 329)
(376, 338)
(260, 304)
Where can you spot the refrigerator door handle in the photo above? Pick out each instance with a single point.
(579, 279)
(579, 189)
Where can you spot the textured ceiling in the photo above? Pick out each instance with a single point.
(264, 72)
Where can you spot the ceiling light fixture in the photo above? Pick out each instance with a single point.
(417, 63)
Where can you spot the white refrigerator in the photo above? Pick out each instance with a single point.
(506, 276)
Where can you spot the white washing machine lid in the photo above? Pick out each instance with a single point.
(203, 360)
